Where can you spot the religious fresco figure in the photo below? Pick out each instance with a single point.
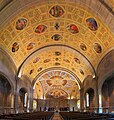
(40, 29)
(15, 47)
(83, 47)
(56, 11)
(21, 24)
(30, 46)
(92, 24)
(73, 28)
(97, 47)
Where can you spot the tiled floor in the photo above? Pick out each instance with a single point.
(57, 117)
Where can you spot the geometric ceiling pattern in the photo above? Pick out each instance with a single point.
(56, 35)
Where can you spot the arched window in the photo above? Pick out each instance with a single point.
(78, 104)
(34, 105)
(87, 100)
(25, 100)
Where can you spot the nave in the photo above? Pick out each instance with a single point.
(58, 116)
(55, 56)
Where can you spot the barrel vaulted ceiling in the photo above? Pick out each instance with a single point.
(54, 37)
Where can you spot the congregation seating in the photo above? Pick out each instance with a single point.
(28, 116)
(86, 116)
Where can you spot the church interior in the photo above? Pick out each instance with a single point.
(57, 58)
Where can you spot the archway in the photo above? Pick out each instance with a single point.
(23, 99)
(89, 99)
(108, 94)
(5, 94)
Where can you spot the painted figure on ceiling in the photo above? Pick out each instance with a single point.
(21, 24)
(56, 11)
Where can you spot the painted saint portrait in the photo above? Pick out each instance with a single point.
(56, 11)
(15, 47)
(97, 47)
(30, 46)
(92, 24)
(40, 29)
(21, 24)
(73, 28)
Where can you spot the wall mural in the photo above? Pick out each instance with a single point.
(40, 29)
(56, 37)
(56, 11)
(21, 24)
(73, 28)
(83, 47)
(97, 47)
(92, 24)
(30, 46)
(15, 46)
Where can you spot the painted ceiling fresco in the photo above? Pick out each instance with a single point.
(56, 84)
(56, 35)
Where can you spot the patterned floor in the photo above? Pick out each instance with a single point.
(57, 117)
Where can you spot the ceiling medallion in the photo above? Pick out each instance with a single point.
(56, 59)
(66, 60)
(81, 71)
(57, 63)
(39, 69)
(77, 60)
(40, 29)
(56, 37)
(73, 28)
(83, 47)
(31, 71)
(57, 53)
(36, 60)
(56, 26)
(21, 24)
(30, 46)
(97, 47)
(92, 24)
(56, 11)
(15, 46)
(47, 60)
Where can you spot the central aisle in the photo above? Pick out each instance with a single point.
(57, 116)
